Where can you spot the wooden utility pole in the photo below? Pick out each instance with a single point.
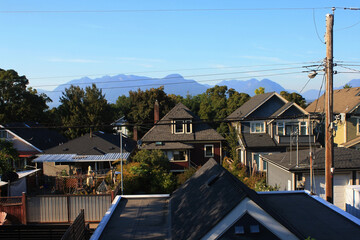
(329, 142)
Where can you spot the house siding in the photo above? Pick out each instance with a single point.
(278, 177)
(340, 132)
(197, 154)
(49, 168)
(351, 130)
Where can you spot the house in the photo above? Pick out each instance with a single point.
(98, 150)
(268, 123)
(291, 171)
(213, 204)
(185, 139)
(29, 139)
(26, 182)
(346, 116)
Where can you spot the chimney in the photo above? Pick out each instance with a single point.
(156, 112)
(135, 133)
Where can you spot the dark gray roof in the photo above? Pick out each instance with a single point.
(168, 145)
(344, 158)
(98, 144)
(161, 132)
(138, 218)
(311, 217)
(34, 133)
(249, 106)
(258, 140)
(283, 108)
(204, 199)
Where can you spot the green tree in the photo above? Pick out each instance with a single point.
(347, 86)
(259, 91)
(294, 97)
(235, 100)
(149, 172)
(19, 103)
(8, 154)
(81, 108)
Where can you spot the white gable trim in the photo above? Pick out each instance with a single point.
(21, 139)
(247, 205)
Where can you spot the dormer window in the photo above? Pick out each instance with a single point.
(182, 126)
(3, 134)
(179, 126)
(257, 127)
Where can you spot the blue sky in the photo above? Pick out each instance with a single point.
(57, 45)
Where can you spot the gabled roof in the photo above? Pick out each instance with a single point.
(345, 101)
(286, 107)
(98, 144)
(250, 106)
(350, 143)
(344, 158)
(36, 135)
(206, 198)
(162, 130)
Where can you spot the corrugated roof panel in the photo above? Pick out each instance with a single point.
(81, 158)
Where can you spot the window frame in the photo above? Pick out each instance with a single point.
(278, 126)
(186, 124)
(301, 126)
(6, 134)
(357, 126)
(253, 125)
(212, 150)
(176, 124)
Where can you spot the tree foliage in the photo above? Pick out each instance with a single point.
(19, 103)
(8, 154)
(259, 91)
(347, 86)
(81, 107)
(149, 173)
(294, 97)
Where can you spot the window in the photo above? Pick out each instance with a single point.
(257, 127)
(358, 127)
(3, 134)
(256, 159)
(209, 150)
(179, 156)
(188, 126)
(179, 126)
(280, 129)
(303, 128)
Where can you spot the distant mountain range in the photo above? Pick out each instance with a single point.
(115, 86)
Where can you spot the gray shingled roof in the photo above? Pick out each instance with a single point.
(283, 108)
(168, 145)
(345, 101)
(258, 140)
(344, 158)
(249, 106)
(161, 132)
(310, 217)
(98, 144)
(35, 134)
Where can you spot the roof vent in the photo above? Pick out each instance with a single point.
(212, 180)
(65, 149)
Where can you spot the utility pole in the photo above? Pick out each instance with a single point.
(329, 144)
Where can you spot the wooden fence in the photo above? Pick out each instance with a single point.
(15, 207)
(77, 230)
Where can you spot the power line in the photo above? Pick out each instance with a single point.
(209, 80)
(317, 33)
(173, 77)
(159, 10)
(184, 69)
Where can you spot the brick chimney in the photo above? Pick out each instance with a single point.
(135, 133)
(156, 112)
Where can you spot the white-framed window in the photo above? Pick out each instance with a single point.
(179, 126)
(209, 150)
(257, 127)
(280, 128)
(303, 128)
(3, 134)
(260, 164)
(188, 126)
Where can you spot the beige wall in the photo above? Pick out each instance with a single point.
(340, 133)
(351, 130)
(50, 169)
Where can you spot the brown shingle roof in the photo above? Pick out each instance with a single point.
(345, 101)
(162, 130)
(168, 145)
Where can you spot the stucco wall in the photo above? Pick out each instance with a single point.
(340, 132)
(351, 130)
(50, 169)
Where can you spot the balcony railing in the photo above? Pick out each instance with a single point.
(301, 138)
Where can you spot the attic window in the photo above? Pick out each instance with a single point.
(3, 134)
(239, 230)
(159, 143)
(254, 228)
